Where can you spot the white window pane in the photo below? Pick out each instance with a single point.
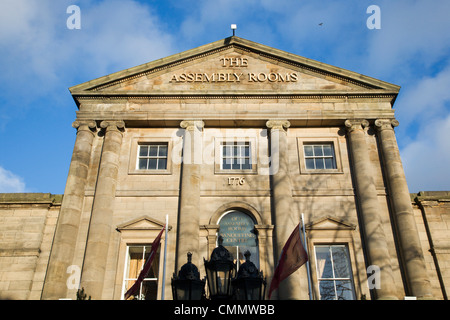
(327, 150)
(135, 262)
(227, 151)
(327, 290)
(340, 262)
(329, 163)
(153, 151)
(241, 151)
(247, 164)
(142, 164)
(310, 164)
(226, 164)
(319, 163)
(162, 151)
(235, 164)
(152, 164)
(318, 151)
(247, 151)
(162, 163)
(324, 267)
(344, 290)
(143, 151)
(308, 151)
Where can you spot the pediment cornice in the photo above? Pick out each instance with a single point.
(330, 223)
(142, 223)
(359, 86)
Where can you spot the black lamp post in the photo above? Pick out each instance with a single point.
(188, 286)
(220, 270)
(250, 283)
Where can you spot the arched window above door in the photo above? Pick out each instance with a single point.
(239, 235)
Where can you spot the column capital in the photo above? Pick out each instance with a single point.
(190, 125)
(115, 125)
(383, 124)
(278, 124)
(355, 124)
(87, 125)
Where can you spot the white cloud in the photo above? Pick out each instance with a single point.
(411, 50)
(121, 34)
(38, 46)
(413, 34)
(426, 99)
(41, 57)
(10, 183)
(426, 160)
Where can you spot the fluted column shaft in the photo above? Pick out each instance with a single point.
(285, 222)
(410, 247)
(189, 212)
(100, 226)
(375, 239)
(62, 253)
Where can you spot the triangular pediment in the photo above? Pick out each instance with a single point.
(330, 223)
(142, 223)
(233, 66)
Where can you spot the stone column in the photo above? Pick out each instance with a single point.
(284, 219)
(189, 212)
(375, 239)
(408, 236)
(62, 253)
(265, 243)
(100, 226)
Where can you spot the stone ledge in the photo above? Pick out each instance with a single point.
(443, 196)
(31, 198)
(20, 252)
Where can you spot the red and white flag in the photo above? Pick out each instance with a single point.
(292, 257)
(146, 268)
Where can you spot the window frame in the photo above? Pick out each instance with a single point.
(133, 167)
(220, 144)
(139, 231)
(334, 278)
(149, 157)
(319, 140)
(236, 145)
(322, 157)
(126, 271)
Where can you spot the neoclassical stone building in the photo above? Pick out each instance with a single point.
(235, 139)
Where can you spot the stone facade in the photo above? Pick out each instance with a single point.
(273, 106)
(27, 226)
(432, 214)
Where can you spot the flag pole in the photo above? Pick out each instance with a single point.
(307, 262)
(165, 256)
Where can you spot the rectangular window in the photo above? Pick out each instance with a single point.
(152, 156)
(334, 272)
(236, 156)
(136, 257)
(319, 156)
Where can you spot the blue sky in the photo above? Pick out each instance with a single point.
(40, 58)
